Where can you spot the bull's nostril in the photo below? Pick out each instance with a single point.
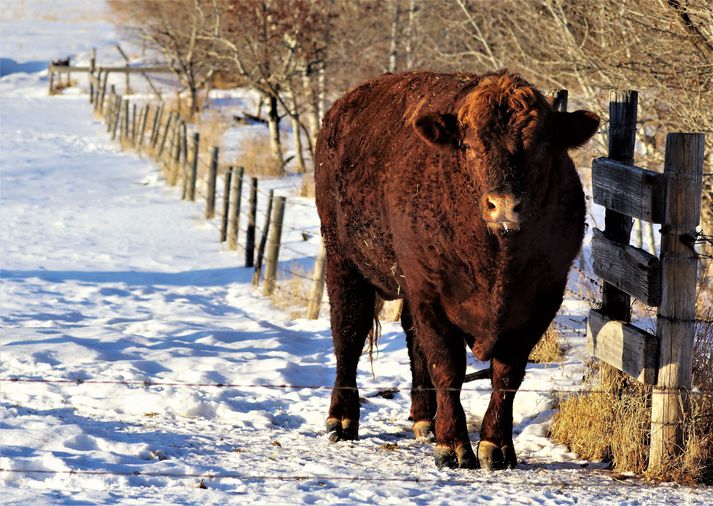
(490, 204)
(517, 207)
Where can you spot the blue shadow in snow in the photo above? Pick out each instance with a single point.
(9, 66)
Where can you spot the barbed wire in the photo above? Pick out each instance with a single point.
(323, 478)
(152, 383)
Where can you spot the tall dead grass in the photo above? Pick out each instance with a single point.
(256, 156)
(614, 425)
(550, 349)
(292, 293)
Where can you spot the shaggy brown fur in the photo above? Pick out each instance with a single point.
(409, 166)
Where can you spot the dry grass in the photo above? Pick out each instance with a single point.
(292, 293)
(616, 426)
(307, 185)
(212, 127)
(549, 349)
(255, 155)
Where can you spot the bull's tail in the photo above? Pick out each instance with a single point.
(375, 332)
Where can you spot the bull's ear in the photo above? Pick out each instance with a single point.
(573, 129)
(436, 128)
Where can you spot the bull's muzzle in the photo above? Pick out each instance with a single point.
(502, 212)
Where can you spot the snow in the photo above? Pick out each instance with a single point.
(120, 291)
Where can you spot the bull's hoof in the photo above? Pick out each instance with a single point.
(462, 457)
(490, 456)
(423, 431)
(466, 457)
(342, 430)
(509, 456)
(445, 456)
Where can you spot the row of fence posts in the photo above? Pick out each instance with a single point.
(149, 129)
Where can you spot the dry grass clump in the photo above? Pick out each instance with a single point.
(549, 349)
(607, 426)
(390, 310)
(211, 126)
(255, 155)
(614, 425)
(292, 293)
(307, 185)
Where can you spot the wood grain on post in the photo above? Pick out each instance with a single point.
(263, 239)
(156, 126)
(175, 154)
(194, 168)
(675, 325)
(622, 137)
(110, 106)
(236, 192)
(250, 232)
(211, 182)
(125, 122)
(315, 296)
(630, 269)
(273, 246)
(226, 204)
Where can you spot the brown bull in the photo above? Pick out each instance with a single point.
(454, 192)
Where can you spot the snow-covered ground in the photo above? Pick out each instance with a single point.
(108, 278)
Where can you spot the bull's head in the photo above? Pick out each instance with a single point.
(511, 143)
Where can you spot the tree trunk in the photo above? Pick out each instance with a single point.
(296, 131)
(273, 123)
(409, 35)
(312, 108)
(393, 52)
(322, 85)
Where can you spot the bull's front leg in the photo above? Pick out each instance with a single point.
(444, 350)
(496, 449)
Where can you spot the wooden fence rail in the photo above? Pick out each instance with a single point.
(673, 199)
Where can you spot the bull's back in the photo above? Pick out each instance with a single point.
(367, 147)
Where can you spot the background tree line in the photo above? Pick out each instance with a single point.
(299, 55)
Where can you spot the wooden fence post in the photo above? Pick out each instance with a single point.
(273, 246)
(211, 182)
(675, 324)
(117, 114)
(250, 233)
(144, 120)
(50, 73)
(134, 122)
(263, 239)
(226, 204)
(156, 125)
(194, 168)
(110, 108)
(125, 122)
(236, 190)
(166, 128)
(175, 153)
(315, 296)
(622, 136)
(101, 102)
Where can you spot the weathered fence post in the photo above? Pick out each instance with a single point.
(110, 108)
(134, 122)
(144, 120)
(125, 122)
(211, 182)
(622, 136)
(236, 190)
(117, 114)
(273, 246)
(250, 233)
(106, 80)
(166, 128)
(50, 73)
(194, 168)
(226, 204)
(675, 325)
(263, 239)
(156, 126)
(315, 296)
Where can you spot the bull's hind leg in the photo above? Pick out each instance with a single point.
(351, 299)
(423, 396)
